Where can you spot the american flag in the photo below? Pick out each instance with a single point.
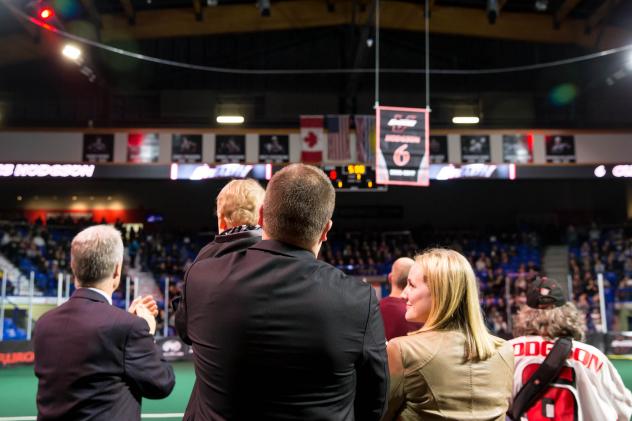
(365, 128)
(338, 138)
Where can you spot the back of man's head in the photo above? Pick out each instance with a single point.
(298, 205)
(399, 272)
(239, 202)
(94, 254)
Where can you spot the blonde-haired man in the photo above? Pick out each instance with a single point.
(238, 207)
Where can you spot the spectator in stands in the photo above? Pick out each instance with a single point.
(92, 359)
(393, 307)
(238, 207)
(278, 334)
(452, 368)
(589, 385)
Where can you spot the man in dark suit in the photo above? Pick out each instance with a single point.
(93, 360)
(278, 334)
(238, 205)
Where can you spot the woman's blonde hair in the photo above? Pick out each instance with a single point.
(239, 202)
(553, 323)
(455, 304)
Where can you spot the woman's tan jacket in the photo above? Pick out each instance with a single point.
(430, 379)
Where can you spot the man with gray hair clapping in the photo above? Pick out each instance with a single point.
(93, 360)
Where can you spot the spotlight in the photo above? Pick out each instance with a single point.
(230, 119)
(465, 120)
(492, 11)
(628, 62)
(46, 13)
(71, 51)
(541, 5)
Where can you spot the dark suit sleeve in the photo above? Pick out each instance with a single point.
(181, 316)
(144, 368)
(372, 369)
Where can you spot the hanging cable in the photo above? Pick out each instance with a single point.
(377, 70)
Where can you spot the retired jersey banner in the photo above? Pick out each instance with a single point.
(438, 149)
(143, 148)
(312, 138)
(98, 147)
(560, 149)
(518, 148)
(402, 146)
(230, 148)
(274, 148)
(186, 148)
(475, 149)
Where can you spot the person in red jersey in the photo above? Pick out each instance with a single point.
(588, 387)
(393, 307)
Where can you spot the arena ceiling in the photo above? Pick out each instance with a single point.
(328, 34)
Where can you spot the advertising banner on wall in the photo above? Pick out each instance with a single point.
(402, 146)
(518, 148)
(274, 148)
(438, 149)
(98, 147)
(230, 148)
(186, 148)
(14, 353)
(560, 149)
(143, 148)
(475, 149)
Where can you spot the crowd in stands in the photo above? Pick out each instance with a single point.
(500, 261)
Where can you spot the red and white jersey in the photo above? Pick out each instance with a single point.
(589, 388)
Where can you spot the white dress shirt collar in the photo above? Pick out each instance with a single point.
(102, 293)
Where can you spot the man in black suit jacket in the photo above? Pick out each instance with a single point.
(95, 361)
(278, 334)
(238, 205)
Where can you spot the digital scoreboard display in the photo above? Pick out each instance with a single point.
(353, 177)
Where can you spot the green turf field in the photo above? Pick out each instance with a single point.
(18, 387)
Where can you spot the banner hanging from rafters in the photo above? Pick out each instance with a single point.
(402, 146)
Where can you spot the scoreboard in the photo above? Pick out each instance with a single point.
(353, 177)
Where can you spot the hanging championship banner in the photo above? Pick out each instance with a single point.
(475, 149)
(98, 147)
(518, 148)
(186, 148)
(230, 148)
(560, 149)
(274, 148)
(143, 148)
(402, 146)
(438, 149)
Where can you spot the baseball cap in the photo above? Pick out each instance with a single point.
(544, 292)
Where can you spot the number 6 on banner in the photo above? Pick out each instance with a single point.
(401, 156)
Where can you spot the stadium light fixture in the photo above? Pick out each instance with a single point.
(628, 62)
(71, 52)
(465, 120)
(46, 13)
(230, 119)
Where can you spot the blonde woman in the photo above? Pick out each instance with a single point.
(452, 368)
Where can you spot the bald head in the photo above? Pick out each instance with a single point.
(399, 272)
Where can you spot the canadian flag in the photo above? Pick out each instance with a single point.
(312, 138)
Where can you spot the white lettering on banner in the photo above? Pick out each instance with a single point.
(466, 171)
(47, 170)
(402, 122)
(404, 173)
(622, 171)
(542, 348)
(221, 171)
(6, 170)
(402, 139)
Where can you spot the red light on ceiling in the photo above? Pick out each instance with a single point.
(46, 13)
(333, 175)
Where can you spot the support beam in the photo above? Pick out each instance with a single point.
(601, 14)
(430, 6)
(95, 17)
(130, 13)
(197, 9)
(564, 10)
